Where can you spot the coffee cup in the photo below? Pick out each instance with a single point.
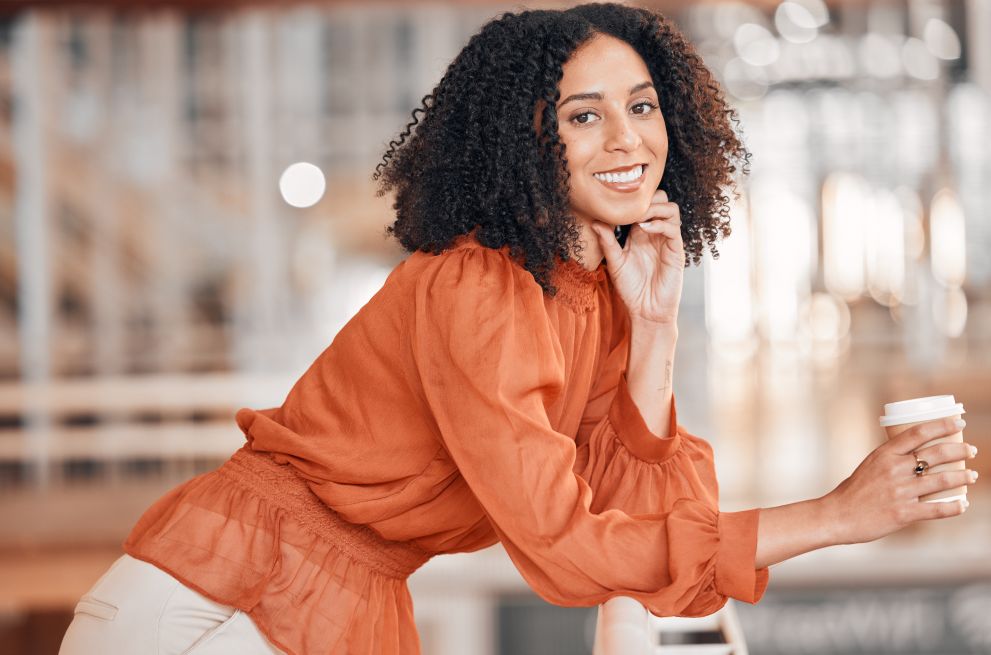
(904, 414)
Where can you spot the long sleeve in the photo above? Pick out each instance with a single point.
(632, 469)
(489, 363)
(603, 398)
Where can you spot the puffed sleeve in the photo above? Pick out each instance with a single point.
(489, 363)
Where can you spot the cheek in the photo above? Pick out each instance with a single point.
(579, 149)
(660, 140)
(656, 138)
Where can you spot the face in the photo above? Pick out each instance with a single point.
(614, 134)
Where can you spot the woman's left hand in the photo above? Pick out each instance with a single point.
(649, 271)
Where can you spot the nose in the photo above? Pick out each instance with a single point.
(622, 135)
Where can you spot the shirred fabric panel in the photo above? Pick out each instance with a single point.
(220, 537)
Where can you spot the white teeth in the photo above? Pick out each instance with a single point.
(631, 175)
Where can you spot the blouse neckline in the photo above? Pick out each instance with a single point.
(576, 285)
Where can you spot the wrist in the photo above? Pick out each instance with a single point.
(652, 350)
(797, 528)
(830, 518)
(652, 325)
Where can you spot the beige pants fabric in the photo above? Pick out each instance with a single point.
(139, 609)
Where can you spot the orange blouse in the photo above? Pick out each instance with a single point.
(460, 407)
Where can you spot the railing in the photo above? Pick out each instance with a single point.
(625, 627)
(109, 419)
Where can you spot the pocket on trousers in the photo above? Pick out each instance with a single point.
(95, 607)
(203, 642)
(90, 605)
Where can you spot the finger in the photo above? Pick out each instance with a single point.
(659, 196)
(923, 511)
(665, 210)
(942, 453)
(607, 241)
(670, 230)
(914, 438)
(930, 483)
(639, 237)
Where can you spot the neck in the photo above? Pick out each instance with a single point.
(591, 254)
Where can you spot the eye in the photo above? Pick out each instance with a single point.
(644, 103)
(577, 118)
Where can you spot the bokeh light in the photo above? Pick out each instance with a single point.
(755, 44)
(947, 233)
(941, 39)
(302, 184)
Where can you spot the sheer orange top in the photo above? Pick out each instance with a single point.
(460, 407)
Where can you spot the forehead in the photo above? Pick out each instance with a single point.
(603, 62)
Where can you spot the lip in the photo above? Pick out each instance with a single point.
(623, 169)
(624, 187)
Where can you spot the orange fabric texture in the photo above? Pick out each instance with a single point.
(460, 407)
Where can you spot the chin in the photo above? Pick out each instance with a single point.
(631, 213)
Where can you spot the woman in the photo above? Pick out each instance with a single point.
(511, 382)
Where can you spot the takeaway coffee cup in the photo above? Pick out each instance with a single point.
(902, 415)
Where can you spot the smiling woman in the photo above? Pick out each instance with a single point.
(534, 107)
(505, 385)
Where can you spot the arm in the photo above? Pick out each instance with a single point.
(783, 532)
(651, 372)
(791, 530)
(879, 498)
(646, 276)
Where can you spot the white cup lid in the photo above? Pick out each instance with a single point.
(920, 409)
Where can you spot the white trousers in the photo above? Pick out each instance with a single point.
(137, 608)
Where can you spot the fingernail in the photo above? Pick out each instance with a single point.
(960, 423)
(965, 503)
(973, 476)
(973, 451)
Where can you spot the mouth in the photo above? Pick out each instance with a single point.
(622, 179)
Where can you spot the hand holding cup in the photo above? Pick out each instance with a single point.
(931, 457)
(884, 493)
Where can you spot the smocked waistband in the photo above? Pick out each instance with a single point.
(280, 485)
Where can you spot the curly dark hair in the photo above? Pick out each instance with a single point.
(471, 158)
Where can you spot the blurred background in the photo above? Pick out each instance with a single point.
(187, 218)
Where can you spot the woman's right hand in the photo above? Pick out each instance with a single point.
(882, 494)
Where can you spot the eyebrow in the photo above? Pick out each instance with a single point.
(598, 96)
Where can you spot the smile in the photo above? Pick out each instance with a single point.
(625, 181)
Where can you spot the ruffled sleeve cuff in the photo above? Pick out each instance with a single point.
(735, 573)
(632, 430)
